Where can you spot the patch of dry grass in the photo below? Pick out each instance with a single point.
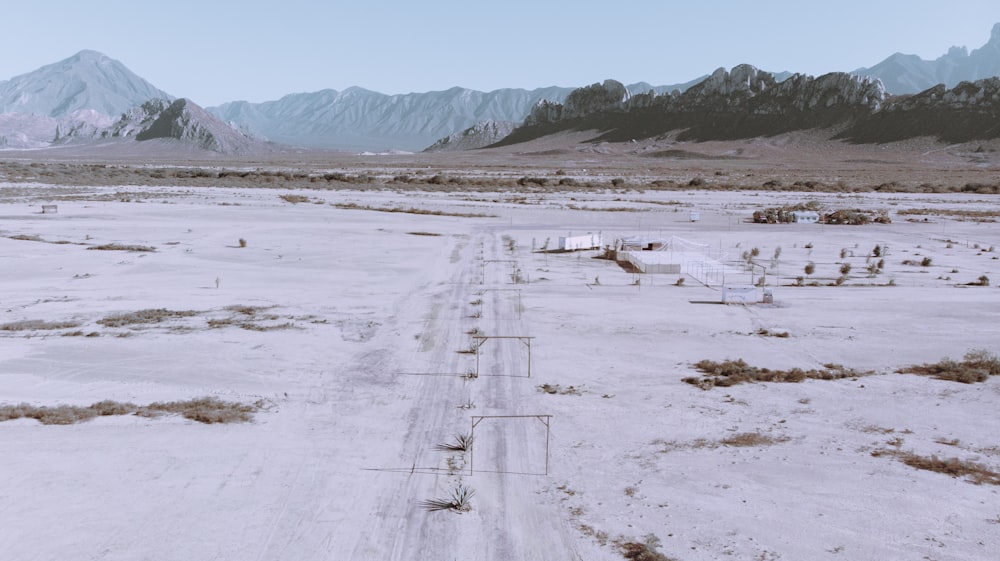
(143, 317)
(354, 206)
(37, 325)
(752, 439)
(972, 471)
(977, 366)
(732, 372)
(295, 199)
(207, 410)
(122, 247)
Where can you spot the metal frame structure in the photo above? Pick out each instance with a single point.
(480, 340)
(476, 419)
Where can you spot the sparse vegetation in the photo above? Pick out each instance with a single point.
(353, 206)
(732, 372)
(206, 410)
(462, 443)
(752, 439)
(122, 247)
(143, 317)
(460, 500)
(37, 325)
(295, 199)
(977, 366)
(972, 471)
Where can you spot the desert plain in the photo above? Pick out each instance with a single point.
(375, 320)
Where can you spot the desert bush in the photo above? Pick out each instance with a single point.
(462, 443)
(647, 550)
(752, 439)
(37, 325)
(143, 316)
(242, 242)
(121, 247)
(208, 410)
(460, 500)
(294, 199)
(203, 410)
(732, 372)
(977, 366)
(972, 471)
(845, 269)
(810, 268)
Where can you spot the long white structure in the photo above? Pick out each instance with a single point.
(573, 243)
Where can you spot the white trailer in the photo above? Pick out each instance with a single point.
(574, 243)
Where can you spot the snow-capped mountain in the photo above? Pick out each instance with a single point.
(907, 74)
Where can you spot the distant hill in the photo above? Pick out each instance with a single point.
(82, 96)
(180, 120)
(747, 103)
(86, 80)
(903, 74)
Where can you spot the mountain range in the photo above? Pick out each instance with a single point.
(88, 95)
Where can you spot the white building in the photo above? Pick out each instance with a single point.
(574, 243)
(805, 216)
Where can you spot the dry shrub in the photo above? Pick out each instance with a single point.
(122, 247)
(977, 366)
(294, 199)
(647, 550)
(143, 316)
(732, 372)
(204, 410)
(37, 325)
(208, 410)
(748, 439)
(973, 472)
(354, 206)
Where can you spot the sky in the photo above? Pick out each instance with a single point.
(214, 51)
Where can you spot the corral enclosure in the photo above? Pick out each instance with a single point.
(361, 350)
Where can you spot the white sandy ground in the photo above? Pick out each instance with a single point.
(369, 380)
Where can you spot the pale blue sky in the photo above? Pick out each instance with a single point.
(214, 51)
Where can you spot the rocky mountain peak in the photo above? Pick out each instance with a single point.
(483, 133)
(186, 121)
(743, 78)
